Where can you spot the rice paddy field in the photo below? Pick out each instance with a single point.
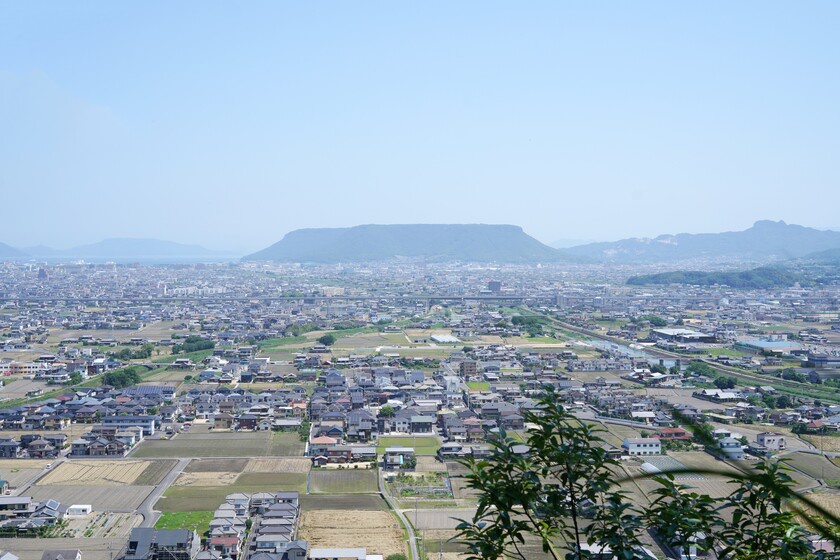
(205, 483)
(343, 481)
(108, 473)
(223, 444)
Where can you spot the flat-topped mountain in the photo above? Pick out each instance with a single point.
(764, 240)
(454, 242)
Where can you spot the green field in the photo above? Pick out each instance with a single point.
(224, 444)
(372, 502)
(815, 466)
(422, 445)
(203, 498)
(198, 521)
(479, 385)
(343, 481)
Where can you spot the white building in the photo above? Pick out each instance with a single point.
(642, 446)
(771, 440)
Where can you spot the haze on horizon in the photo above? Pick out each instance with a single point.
(228, 124)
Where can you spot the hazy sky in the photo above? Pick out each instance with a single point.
(229, 124)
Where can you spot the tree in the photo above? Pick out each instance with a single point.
(396, 557)
(725, 382)
(701, 368)
(565, 492)
(387, 411)
(327, 340)
(75, 378)
(303, 430)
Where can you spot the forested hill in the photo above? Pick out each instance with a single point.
(765, 240)
(757, 278)
(433, 242)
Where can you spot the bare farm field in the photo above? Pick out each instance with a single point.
(20, 471)
(827, 500)
(73, 432)
(103, 524)
(17, 389)
(215, 478)
(108, 473)
(103, 498)
(92, 548)
(426, 463)
(216, 465)
(345, 481)
(283, 465)
(377, 531)
(824, 443)
(445, 519)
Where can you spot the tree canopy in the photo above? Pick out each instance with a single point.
(563, 492)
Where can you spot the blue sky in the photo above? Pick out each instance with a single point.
(230, 124)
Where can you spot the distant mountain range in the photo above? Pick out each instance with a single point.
(9, 252)
(433, 242)
(765, 240)
(121, 250)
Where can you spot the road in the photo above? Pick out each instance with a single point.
(150, 516)
(20, 490)
(412, 538)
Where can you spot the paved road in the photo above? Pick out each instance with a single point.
(150, 516)
(412, 538)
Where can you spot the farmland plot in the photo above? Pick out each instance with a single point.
(437, 518)
(815, 466)
(252, 444)
(343, 481)
(204, 492)
(92, 549)
(102, 498)
(217, 465)
(107, 473)
(335, 502)
(20, 471)
(377, 531)
(284, 465)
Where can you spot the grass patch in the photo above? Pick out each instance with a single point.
(370, 502)
(422, 445)
(478, 385)
(270, 343)
(286, 444)
(198, 521)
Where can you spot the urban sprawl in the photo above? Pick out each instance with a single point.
(261, 411)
